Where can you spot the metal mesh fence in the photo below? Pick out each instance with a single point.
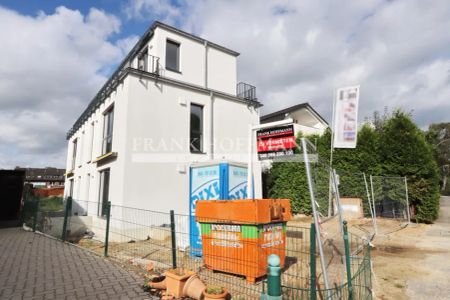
(143, 237)
(390, 202)
(316, 262)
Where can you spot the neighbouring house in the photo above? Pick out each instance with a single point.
(306, 119)
(44, 177)
(173, 103)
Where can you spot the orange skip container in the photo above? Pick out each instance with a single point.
(239, 235)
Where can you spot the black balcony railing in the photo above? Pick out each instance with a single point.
(246, 91)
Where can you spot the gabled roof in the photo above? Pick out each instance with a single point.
(120, 72)
(292, 109)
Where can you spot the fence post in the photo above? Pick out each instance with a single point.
(173, 237)
(312, 261)
(66, 217)
(347, 262)
(108, 218)
(36, 210)
(274, 277)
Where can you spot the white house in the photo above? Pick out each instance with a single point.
(305, 118)
(172, 103)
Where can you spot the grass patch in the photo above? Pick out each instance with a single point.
(52, 203)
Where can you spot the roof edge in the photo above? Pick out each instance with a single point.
(292, 108)
(194, 37)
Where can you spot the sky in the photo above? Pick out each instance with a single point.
(55, 55)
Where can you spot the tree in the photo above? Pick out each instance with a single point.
(405, 152)
(438, 135)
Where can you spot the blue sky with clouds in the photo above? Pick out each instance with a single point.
(55, 55)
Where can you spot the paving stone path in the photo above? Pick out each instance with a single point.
(33, 266)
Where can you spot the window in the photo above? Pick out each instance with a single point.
(172, 56)
(80, 158)
(143, 60)
(88, 185)
(196, 130)
(74, 153)
(104, 191)
(91, 143)
(70, 188)
(78, 196)
(108, 131)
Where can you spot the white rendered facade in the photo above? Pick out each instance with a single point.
(150, 154)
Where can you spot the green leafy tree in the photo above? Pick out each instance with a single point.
(405, 152)
(438, 135)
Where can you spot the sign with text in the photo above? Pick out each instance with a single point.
(346, 117)
(276, 142)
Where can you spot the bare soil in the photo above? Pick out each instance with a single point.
(414, 262)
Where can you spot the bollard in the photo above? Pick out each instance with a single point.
(273, 278)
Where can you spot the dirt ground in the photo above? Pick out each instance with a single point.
(414, 262)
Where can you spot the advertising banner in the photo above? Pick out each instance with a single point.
(276, 142)
(346, 117)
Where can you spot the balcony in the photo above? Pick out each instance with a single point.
(246, 91)
(148, 63)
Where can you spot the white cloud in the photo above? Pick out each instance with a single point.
(51, 66)
(153, 9)
(296, 51)
(293, 51)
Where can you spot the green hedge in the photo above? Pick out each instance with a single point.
(395, 146)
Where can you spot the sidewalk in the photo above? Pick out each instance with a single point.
(33, 266)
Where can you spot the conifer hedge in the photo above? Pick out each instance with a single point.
(395, 146)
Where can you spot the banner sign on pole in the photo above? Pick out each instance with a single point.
(276, 142)
(346, 117)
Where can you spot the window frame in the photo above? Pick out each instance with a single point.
(200, 133)
(178, 44)
(103, 191)
(91, 141)
(74, 153)
(108, 130)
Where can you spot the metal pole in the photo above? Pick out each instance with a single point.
(36, 210)
(312, 262)
(407, 201)
(337, 197)
(369, 199)
(108, 218)
(173, 237)
(373, 203)
(66, 216)
(250, 163)
(316, 218)
(347, 262)
(330, 204)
